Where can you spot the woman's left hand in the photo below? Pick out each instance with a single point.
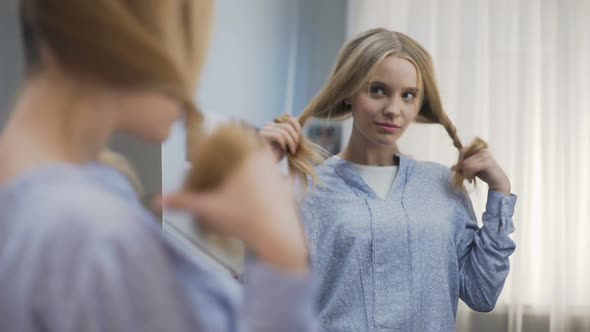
(484, 166)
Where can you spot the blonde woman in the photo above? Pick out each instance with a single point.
(76, 253)
(395, 241)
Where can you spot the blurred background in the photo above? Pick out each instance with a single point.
(514, 72)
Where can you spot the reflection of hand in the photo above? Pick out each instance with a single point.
(282, 136)
(255, 203)
(484, 166)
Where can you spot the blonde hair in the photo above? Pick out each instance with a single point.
(357, 63)
(131, 44)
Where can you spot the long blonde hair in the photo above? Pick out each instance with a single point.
(356, 64)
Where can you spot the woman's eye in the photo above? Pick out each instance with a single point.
(409, 96)
(377, 90)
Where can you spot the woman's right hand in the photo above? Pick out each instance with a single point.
(256, 204)
(283, 137)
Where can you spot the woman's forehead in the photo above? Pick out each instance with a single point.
(397, 72)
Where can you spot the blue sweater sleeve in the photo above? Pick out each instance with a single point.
(483, 253)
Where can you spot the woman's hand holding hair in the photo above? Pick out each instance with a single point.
(238, 190)
(283, 135)
(477, 161)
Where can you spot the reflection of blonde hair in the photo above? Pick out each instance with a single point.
(120, 163)
(356, 64)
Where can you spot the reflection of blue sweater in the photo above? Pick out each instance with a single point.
(79, 253)
(401, 264)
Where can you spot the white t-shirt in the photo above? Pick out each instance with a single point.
(379, 178)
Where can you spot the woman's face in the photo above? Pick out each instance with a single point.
(147, 115)
(384, 108)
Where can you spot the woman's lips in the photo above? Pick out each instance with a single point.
(388, 127)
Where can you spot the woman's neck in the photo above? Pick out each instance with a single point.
(359, 151)
(53, 121)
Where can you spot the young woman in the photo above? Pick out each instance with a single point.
(77, 253)
(395, 241)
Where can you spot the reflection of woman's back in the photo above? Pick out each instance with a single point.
(397, 252)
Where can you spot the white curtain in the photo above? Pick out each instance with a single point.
(517, 74)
